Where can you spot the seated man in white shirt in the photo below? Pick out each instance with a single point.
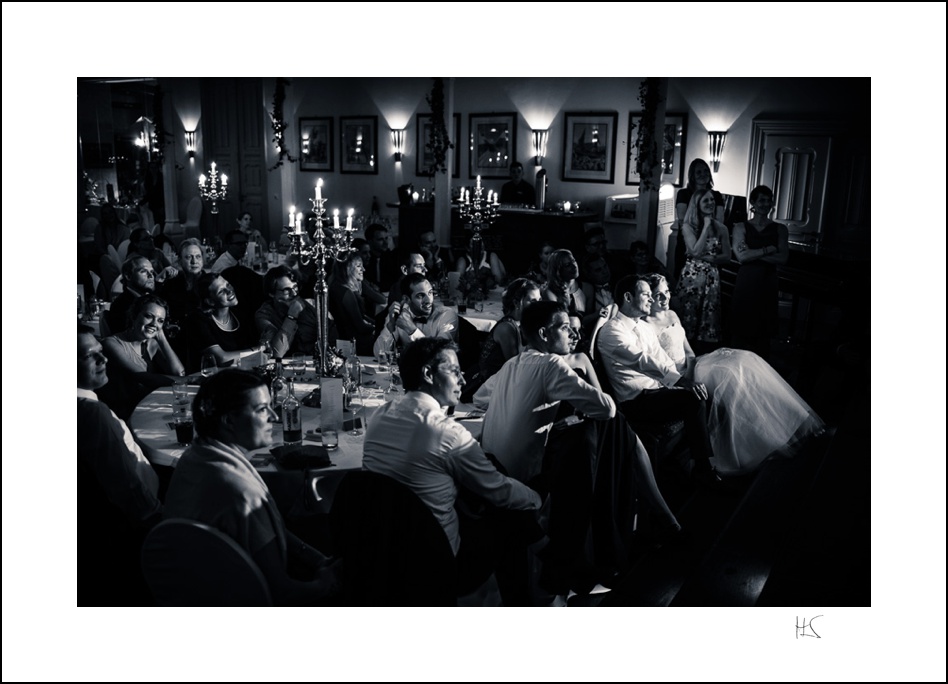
(412, 441)
(645, 379)
(118, 491)
(234, 250)
(416, 316)
(523, 400)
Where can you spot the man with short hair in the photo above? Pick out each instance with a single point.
(645, 379)
(138, 275)
(118, 490)
(412, 262)
(415, 443)
(438, 260)
(234, 250)
(214, 483)
(381, 269)
(416, 316)
(517, 191)
(525, 393)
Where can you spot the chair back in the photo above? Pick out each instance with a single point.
(87, 229)
(123, 251)
(187, 563)
(394, 551)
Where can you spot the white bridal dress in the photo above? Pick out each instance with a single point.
(753, 411)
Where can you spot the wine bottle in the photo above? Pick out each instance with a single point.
(292, 421)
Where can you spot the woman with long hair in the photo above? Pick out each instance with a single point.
(347, 305)
(699, 178)
(699, 287)
(562, 285)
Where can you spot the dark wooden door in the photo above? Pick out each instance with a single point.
(233, 115)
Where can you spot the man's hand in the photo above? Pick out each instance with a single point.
(698, 388)
(296, 307)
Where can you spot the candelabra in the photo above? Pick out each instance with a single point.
(213, 188)
(478, 214)
(328, 244)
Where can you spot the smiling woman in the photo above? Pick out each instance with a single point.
(216, 328)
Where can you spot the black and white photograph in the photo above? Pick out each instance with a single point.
(366, 421)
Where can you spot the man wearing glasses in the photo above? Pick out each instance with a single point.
(286, 321)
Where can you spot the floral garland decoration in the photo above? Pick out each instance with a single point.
(647, 157)
(439, 143)
(279, 125)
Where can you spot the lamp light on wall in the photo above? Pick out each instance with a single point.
(189, 142)
(716, 140)
(213, 188)
(398, 140)
(540, 138)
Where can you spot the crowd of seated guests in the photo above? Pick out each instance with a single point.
(545, 397)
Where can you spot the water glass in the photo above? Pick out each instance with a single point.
(330, 439)
(180, 390)
(298, 364)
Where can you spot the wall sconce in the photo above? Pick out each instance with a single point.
(398, 140)
(189, 142)
(716, 141)
(540, 139)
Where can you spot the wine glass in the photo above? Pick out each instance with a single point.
(208, 365)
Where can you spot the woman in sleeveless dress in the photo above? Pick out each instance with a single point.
(699, 288)
(753, 411)
(760, 245)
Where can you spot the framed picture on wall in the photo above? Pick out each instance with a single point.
(359, 144)
(671, 147)
(589, 147)
(316, 143)
(493, 144)
(424, 159)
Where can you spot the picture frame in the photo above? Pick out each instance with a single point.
(492, 144)
(359, 144)
(424, 160)
(589, 146)
(673, 143)
(316, 142)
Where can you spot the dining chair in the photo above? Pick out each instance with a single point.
(188, 563)
(394, 551)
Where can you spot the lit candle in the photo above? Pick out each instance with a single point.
(489, 195)
(224, 180)
(335, 219)
(319, 189)
(566, 206)
(414, 196)
(292, 215)
(349, 220)
(478, 186)
(461, 196)
(299, 222)
(202, 179)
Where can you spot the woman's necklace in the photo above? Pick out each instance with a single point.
(229, 324)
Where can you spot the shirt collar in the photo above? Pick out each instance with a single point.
(86, 394)
(423, 400)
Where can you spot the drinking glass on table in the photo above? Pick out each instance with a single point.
(208, 365)
(299, 365)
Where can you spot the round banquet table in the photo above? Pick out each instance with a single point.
(297, 491)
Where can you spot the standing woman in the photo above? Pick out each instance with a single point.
(760, 245)
(699, 287)
(699, 178)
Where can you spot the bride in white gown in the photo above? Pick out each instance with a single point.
(753, 411)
